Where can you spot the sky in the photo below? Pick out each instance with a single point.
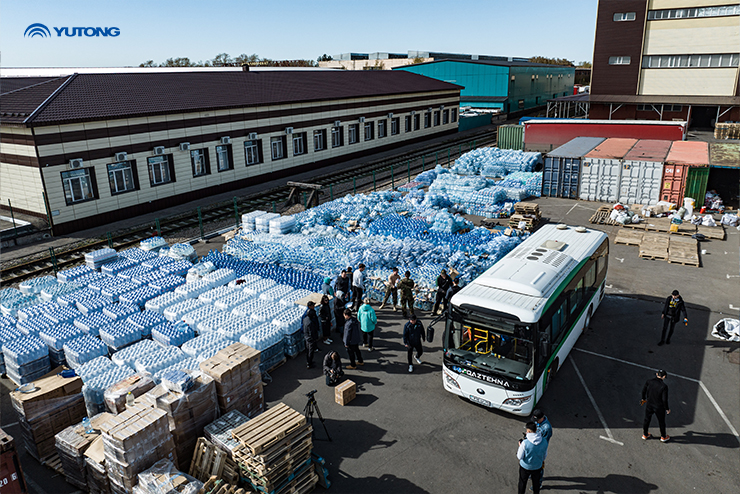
(291, 29)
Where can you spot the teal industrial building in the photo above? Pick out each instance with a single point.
(505, 85)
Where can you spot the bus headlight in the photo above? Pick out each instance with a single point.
(451, 382)
(515, 402)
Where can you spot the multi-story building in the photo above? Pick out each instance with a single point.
(89, 149)
(388, 61)
(665, 60)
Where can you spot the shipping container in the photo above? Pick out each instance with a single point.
(724, 172)
(642, 172)
(696, 184)
(543, 135)
(511, 137)
(561, 173)
(11, 475)
(601, 173)
(682, 156)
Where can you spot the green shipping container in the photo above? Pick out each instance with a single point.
(511, 137)
(696, 185)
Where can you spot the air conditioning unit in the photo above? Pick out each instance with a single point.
(159, 150)
(121, 157)
(430, 109)
(362, 119)
(390, 115)
(413, 112)
(337, 123)
(184, 146)
(441, 107)
(288, 130)
(226, 140)
(75, 163)
(252, 136)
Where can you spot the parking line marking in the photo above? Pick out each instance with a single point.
(609, 437)
(701, 385)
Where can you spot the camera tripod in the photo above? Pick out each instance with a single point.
(311, 407)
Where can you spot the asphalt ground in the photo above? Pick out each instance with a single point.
(404, 433)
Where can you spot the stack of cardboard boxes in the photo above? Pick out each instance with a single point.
(97, 477)
(71, 445)
(54, 404)
(238, 379)
(133, 441)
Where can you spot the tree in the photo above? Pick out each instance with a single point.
(148, 63)
(552, 61)
(223, 60)
(178, 62)
(417, 60)
(324, 58)
(585, 65)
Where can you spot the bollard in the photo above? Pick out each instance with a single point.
(436, 158)
(236, 213)
(448, 156)
(110, 240)
(156, 224)
(273, 207)
(354, 184)
(53, 259)
(375, 188)
(12, 217)
(200, 223)
(423, 164)
(331, 191)
(408, 164)
(393, 181)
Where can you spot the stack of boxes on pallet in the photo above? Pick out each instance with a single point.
(71, 445)
(97, 477)
(164, 478)
(54, 404)
(526, 216)
(218, 433)
(11, 475)
(238, 379)
(274, 455)
(133, 441)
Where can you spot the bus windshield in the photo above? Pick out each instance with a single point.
(495, 346)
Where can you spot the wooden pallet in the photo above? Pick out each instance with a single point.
(684, 229)
(277, 453)
(654, 246)
(288, 461)
(602, 216)
(269, 428)
(712, 232)
(218, 486)
(629, 237)
(527, 208)
(657, 225)
(54, 462)
(208, 460)
(6, 442)
(635, 226)
(530, 221)
(683, 251)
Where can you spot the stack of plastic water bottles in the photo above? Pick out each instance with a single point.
(52, 292)
(73, 274)
(248, 220)
(204, 343)
(83, 349)
(127, 356)
(94, 388)
(97, 258)
(94, 367)
(176, 311)
(175, 334)
(166, 283)
(234, 327)
(202, 313)
(187, 364)
(7, 333)
(159, 359)
(26, 359)
(119, 335)
(262, 222)
(282, 225)
(55, 338)
(92, 322)
(212, 295)
(140, 296)
(160, 303)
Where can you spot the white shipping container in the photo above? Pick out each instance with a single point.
(600, 179)
(641, 182)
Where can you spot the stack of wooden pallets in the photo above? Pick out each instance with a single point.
(275, 452)
(527, 212)
(218, 486)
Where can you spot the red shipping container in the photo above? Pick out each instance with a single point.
(11, 476)
(683, 154)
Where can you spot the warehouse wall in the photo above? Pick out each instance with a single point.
(533, 86)
(20, 180)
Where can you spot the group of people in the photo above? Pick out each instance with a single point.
(532, 451)
(446, 288)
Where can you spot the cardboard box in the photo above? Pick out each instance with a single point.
(48, 389)
(345, 392)
(136, 384)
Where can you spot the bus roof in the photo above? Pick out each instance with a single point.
(521, 283)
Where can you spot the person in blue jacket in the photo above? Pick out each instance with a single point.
(368, 319)
(545, 430)
(531, 454)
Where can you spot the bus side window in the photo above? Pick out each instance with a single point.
(559, 319)
(590, 277)
(576, 296)
(602, 263)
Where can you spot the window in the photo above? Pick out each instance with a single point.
(674, 61)
(223, 157)
(354, 133)
(122, 177)
(395, 124)
(673, 108)
(620, 60)
(253, 152)
(319, 140)
(417, 122)
(521, 103)
(691, 13)
(407, 120)
(299, 144)
(382, 129)
(337, 137)
(427, 119)
(436, 118)
(199, 160)
(576, 296)
(559, 321)
(445, 117)
(79, 185)
(160, 170)
(624, 16)
(277, 148)
(369, 131)
(453, 114)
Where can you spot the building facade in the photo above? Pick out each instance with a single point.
(389, 61)
(503, 85)
(667, 59)
(91, 149)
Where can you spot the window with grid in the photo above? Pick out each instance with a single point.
(395, 124)
(624, 16)
(407, 120)
(693, 13)
(160, 170)
(382, 129)
(445, 117)
(417, 122)
(223, 157)
(121, 177)
(369, 131)
(78, 186)
(626, 60)
(436, 118)
(252, 152)
(299, 144)
(717, 60)
(453, 114)
(337, 136)
(354, 133)
(277, 148)
(427, 119)
(199, 161)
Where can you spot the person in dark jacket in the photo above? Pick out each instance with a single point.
(655, 399)
(672, 310)
(342, 285)
(406, 285)
(454, 288)
(333, 368)
(413, 335)
(352, 339)
(443, 284)
(325, 318)
(310, 323)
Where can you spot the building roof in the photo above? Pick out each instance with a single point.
(498, 63)
(689, 153)
(9, 84)
(577, 147)
(582, 97)
(664, 100)
(87, 97)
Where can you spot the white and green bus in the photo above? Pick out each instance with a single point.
(509, 330)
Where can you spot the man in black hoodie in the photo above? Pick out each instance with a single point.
(672, 310)
(333, 368)
(655, 394)
(413, 335)
(310, 323)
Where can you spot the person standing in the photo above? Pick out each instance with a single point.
(407, 294)
(325, 319)
(310, 322)
(333, 368)
(672, 310)
(352, 339)
(358, 287)
(545, 430)
(443, 284)
(391, 289)
(413, 335)
(368, 320)
(342, 285)
(454, 288)
(339, 312)
(326, 288)
(531, 454)
(655, 399)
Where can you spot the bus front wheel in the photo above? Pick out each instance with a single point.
(551, 371)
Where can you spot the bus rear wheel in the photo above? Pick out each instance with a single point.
(587, 322)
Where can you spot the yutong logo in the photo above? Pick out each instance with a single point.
(477, 375)
(91, 32)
